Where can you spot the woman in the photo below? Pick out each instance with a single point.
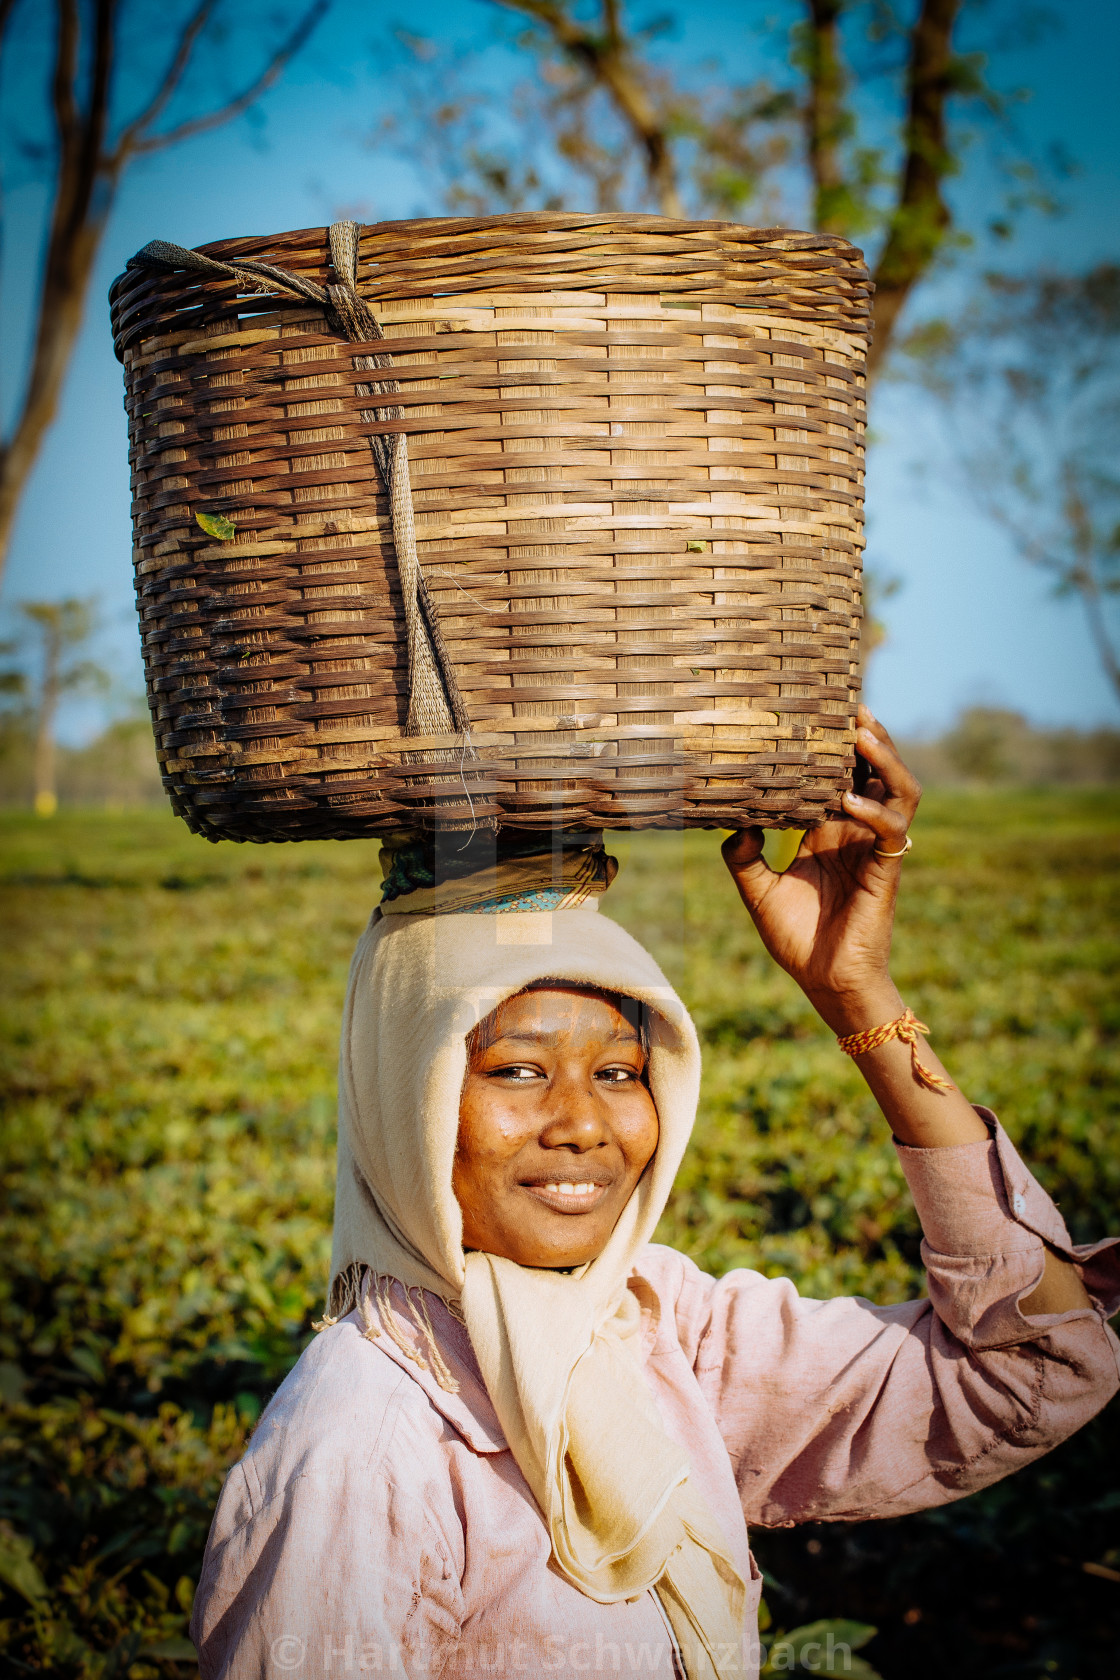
(526, 1439)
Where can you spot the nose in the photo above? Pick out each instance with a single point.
(576, 1119)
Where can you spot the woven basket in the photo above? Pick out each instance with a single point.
(635, 449)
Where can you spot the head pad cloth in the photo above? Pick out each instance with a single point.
(439, 874)
(557, 1350)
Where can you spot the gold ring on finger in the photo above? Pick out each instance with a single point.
(909, 846)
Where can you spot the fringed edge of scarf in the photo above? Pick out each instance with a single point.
(359, 1289)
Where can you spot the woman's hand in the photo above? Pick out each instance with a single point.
(828, 919)
(828, 922)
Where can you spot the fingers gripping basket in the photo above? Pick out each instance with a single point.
(575, 543)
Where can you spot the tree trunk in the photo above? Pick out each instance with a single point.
(61, 312)
(921, 217)
(1089, 591)
(85, 186)
(46, 755)
(826, 120)
(84, 191)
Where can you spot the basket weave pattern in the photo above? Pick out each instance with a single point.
(636, 458)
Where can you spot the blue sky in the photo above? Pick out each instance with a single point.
(969, 624)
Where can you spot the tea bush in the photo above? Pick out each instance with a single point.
(170, 1015)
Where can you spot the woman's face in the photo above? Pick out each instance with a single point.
(555, 1128)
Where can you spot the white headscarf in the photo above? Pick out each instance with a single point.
(557, 1350)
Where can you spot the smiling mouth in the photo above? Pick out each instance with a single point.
(568, 1195)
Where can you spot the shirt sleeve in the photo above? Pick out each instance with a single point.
(341, 1568)
(841, 1410)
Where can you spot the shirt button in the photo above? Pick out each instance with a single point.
(1018, 1202)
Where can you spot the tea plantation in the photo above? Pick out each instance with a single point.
(169, 1020)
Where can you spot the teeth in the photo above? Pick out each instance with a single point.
(579, 1190)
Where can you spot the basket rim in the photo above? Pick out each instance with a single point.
(559, 220)
(781, 238)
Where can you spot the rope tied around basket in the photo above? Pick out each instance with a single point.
(435, 704)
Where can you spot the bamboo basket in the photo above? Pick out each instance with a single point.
(635, 449)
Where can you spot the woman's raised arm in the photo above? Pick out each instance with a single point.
(828, 921)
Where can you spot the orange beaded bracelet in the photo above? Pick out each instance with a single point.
(906, 1028)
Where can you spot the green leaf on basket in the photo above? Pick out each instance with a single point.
(17, 1569)
(216, 525)
(697, 547)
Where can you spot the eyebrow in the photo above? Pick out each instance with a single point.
(626, 1035)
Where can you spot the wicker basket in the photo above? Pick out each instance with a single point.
(636, 466)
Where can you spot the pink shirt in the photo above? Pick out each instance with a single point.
(378, 1524)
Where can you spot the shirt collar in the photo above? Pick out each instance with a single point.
(470, 1411)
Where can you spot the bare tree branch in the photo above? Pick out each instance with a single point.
(921, 217)
(607, 57)
(7, 7)
(241, 102)
(1081, 577)
(65, 63)
(172, 76)
(87, 176)
(97, 113)
(1029, 375)
(72, 239)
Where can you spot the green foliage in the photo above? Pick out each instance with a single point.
(17, 1567)
(991, 744)
(826, 1647)
(117, 769)
(170, 1015)
(59, 628)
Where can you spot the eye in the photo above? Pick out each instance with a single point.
(519, 1073)
(619, 1075)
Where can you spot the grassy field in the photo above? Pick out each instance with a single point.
(170, 1013)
